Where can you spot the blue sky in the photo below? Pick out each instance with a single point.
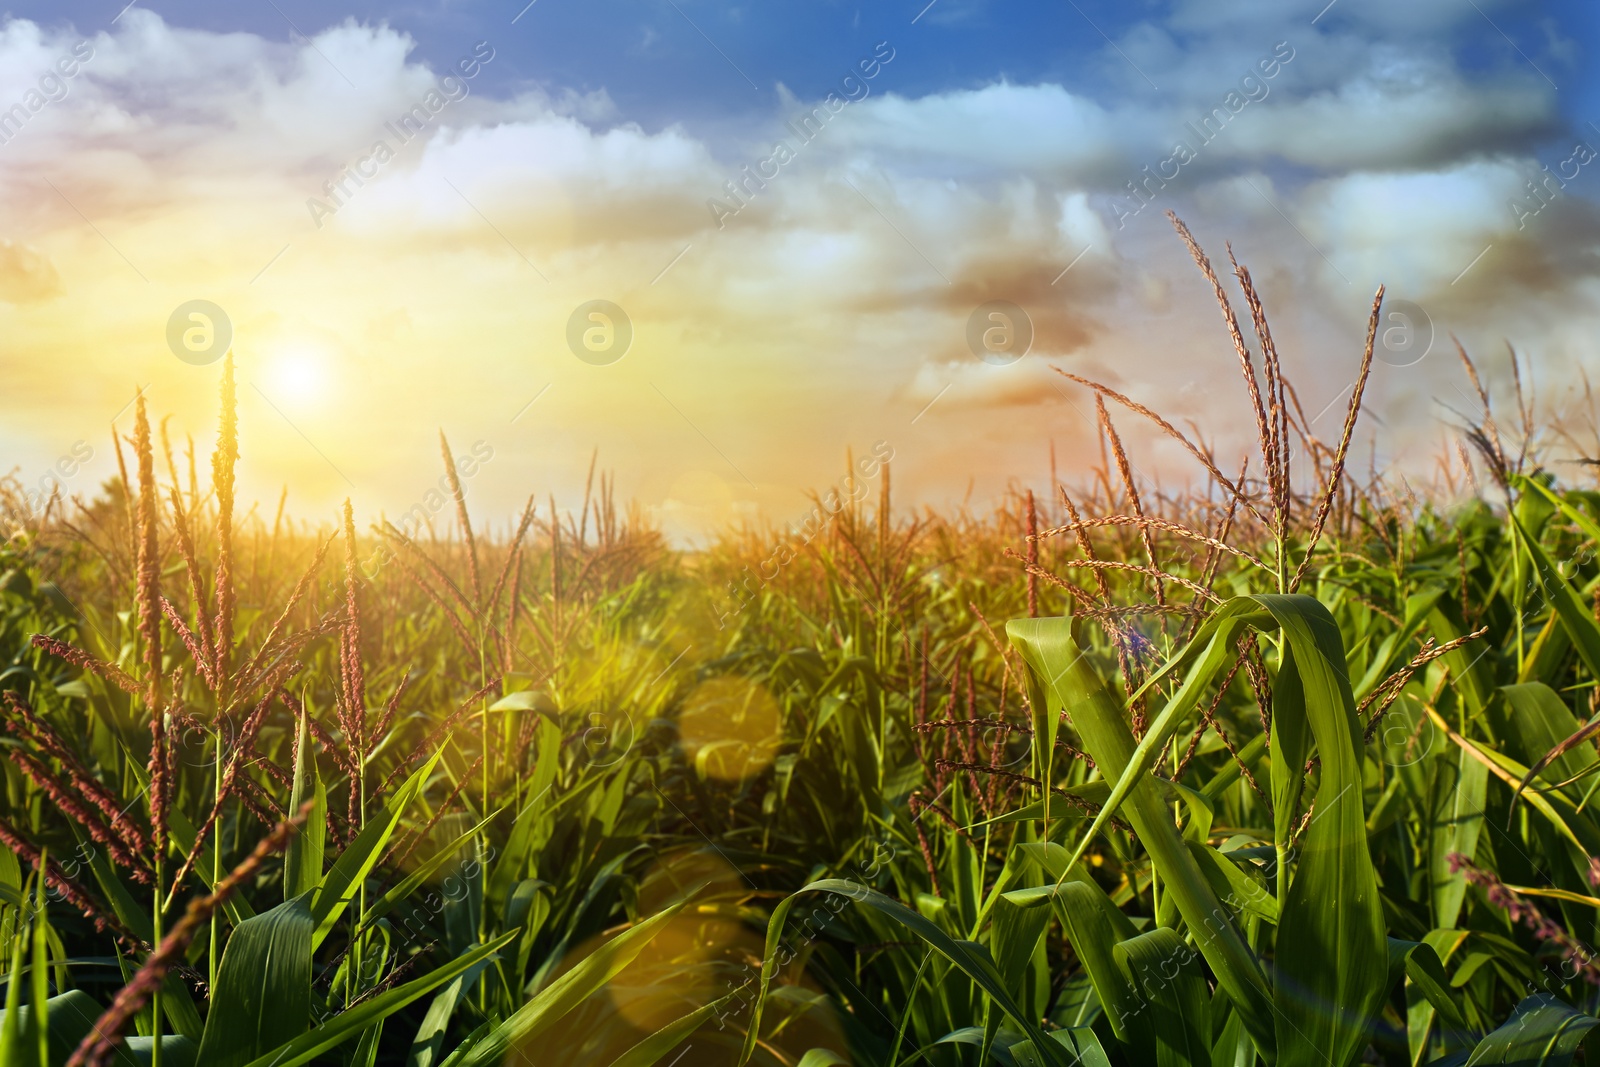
(652, 57)
(663, 61)
(643, 50)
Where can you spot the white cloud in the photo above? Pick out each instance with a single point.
(1400, 116)
(999, 128)
(1418, 230)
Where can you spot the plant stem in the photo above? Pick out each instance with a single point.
(216, 858)
(155, 998)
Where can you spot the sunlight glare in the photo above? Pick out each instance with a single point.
(300, 375)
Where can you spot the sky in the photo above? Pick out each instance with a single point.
(729, 245)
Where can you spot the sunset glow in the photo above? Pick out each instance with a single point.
(401, 219)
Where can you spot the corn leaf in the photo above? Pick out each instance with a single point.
(969, 958)
(353, 1021)
(1332, 962)
(564, 994)
(1060, 678)
(340, 884)
(303, 858)
(263, 992)
(1172, 1013)
(1542, 1032)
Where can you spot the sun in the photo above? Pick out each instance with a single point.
(300, 374)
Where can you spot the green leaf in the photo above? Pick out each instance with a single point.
(1228, 774)
(1468, 669)
(39, 1021)
(430, 1034)
(968, 957)
(302, 859)
(1061, 678)
(649, 1050)
(10, 872)
(1059, 807)
(176, 1051)
(1542, 1032)
(1575, 616)
(1219, 635)
(565, 993)
(1084, 1044)
(1173, 1014)
(134, 915)
(534, 811)
(522, 700)
(70, 1018)
(1427, 995)
(1418, 607)
(1539, 728)
(1332, 963)
(1094, 926)
(340, 884)
(408, 885)
(366, 1054)
(353, 1021)
(263, 993)
(1013, 936)
(816, 1057)
(1242, 889)
(1559, 809)
(1459, 790)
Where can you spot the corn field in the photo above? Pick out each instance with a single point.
(1293, 767)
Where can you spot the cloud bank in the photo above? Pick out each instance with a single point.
(376, 296)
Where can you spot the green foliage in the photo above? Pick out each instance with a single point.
(597, 811)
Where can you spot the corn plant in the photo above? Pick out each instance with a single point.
(1265, 823)
(1289, 767)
